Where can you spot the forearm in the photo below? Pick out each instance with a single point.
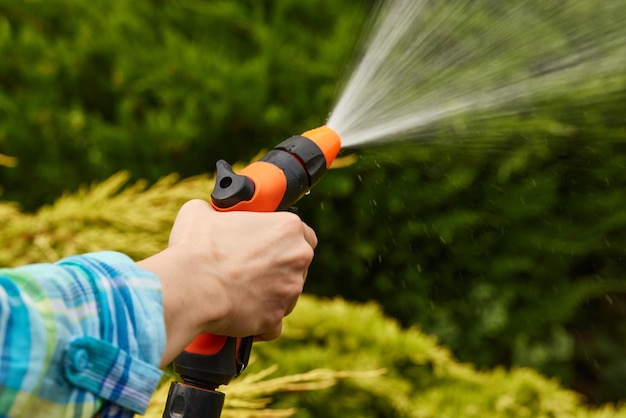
(184, 305)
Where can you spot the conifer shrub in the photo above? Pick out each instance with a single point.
(160, 87)
(361, 364)
(335, 358)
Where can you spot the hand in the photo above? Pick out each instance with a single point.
(232, 273)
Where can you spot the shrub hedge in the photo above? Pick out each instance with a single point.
(419, 379)
(504, 237)
(334, 359)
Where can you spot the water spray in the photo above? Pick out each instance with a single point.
(424, 62)
(274, 183)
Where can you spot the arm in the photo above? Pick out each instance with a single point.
(78, 337)
(235, 274)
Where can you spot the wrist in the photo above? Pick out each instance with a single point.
(188, 309)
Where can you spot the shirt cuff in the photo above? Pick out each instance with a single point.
(110, 373)
(120, 362)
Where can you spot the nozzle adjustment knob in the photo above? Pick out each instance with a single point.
(310, 155)
(230, 188)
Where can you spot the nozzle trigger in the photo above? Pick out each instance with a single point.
(230, 188)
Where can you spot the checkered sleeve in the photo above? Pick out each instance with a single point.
(79, 337)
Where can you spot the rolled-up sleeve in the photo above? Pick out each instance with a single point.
(79, 337)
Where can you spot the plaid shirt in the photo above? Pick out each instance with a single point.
(79, 337)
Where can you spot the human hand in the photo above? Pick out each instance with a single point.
(231, 273)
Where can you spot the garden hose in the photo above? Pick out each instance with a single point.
(274, 183)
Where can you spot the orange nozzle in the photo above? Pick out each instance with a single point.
(281, 177)
(327, 140)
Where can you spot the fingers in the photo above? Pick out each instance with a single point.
(309, 235)
(269, 336)
(256, 263)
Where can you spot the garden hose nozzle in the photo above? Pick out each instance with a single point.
(274, 183)
(281, 177)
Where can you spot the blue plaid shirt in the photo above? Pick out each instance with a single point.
(79, 337)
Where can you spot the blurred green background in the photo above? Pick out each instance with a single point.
(511, 253)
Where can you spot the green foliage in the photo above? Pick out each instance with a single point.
(115, 215)
(510, 250)
(502, 236)
(423, 379)
(351, 342)
(420, 378)
(159, 87)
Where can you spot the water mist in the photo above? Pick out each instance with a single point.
(425, 61)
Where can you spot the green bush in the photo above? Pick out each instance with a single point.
(159, 87)
(359, 363)
(504, 237)
(421, 379)
(512, 254)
